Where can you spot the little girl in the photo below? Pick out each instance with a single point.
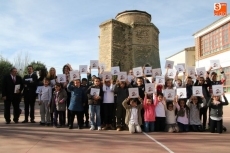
(171, 118)
(133, 114)
(59, 104)
(182, 115)
(216, 113)
(160, 112)
(194, 118)
(149, 113)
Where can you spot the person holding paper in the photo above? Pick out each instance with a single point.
(201, 81)
(52, 77)
(182, 114)
(12, 96)
(216, 113)
(179, 83)
(149, 113)
(171, 125)
(94, 105)
(189, 85)
(108, 104)
(77, 101)
(194, 105)
(59, 105)
(45, 97)
(213, 81)
(29, 92)
(85, 86)
(133, 114)
(160, 112)
(121, 90)
(66, 70)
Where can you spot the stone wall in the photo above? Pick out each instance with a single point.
(129, 41)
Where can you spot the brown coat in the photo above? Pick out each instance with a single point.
(128, 109)
(61, 96)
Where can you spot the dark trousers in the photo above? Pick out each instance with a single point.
(203, 113)
(120, 113)
(61, 116)
(183, 127)
(79, 115)
(16, 113)
(218, 125)
(108, 109)
(160, 124)
(86, 114)
(68, 111)
(29, 101)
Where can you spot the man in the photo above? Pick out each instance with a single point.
(30, 86)
(12, 96)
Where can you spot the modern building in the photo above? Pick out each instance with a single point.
(213, 43)
(130, 40)
(186, 56)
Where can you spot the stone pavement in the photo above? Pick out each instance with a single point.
(33, 138)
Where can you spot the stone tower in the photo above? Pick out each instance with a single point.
(130, 40)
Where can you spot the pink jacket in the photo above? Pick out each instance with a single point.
(149, 115)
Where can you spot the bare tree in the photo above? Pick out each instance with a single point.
(21, 60)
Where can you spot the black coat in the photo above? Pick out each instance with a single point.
(30, 87)
(9, 86)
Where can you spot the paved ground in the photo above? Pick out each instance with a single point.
(33, 138)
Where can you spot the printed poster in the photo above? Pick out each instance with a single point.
(17, 87)
(149, 88)
(133, 93)
(94, 92)
(169, 64)
(172, 73)
(169, 94)
(201, 71)
(181, 92)
(197, 91)
(156, 72)
(217, 90)
(122, 76)
(107, 76)
(61, 78)
(115, 70)
(148, 71)
(160, 80)
(83, 69)
(74, 75)
(94, 64)
(138, 72)
(215, 64)
(191, 72)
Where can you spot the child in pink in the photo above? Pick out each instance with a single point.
(149, 113)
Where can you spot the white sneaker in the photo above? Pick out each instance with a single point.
(99, 128)
(92, 128)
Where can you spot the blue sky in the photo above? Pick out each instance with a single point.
(57, 32)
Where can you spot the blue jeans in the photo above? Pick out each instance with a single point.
(149, 126)
(95, 110)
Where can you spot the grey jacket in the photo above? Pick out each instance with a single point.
(59, 100)
(217, 110)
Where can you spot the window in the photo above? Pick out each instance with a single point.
(215, 41)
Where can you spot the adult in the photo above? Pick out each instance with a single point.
(11, 94)
(30, 86)
(66, 70)
(52, 77)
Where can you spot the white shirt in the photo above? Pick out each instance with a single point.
(46, 94)
(108, 94)
(170, 117)
(160, 110)
(133, 116)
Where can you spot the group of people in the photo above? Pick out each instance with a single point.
(112, 107)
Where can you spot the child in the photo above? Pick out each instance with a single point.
(108, 104)
(76, 105)
(121, 90)
(94, 105)
(44, 102)
(133, 114)
(160, 112)
(171, 118)
(149, 113)
(59, 104)
(178, 82)
(182, 115)
(216, 113)
(194, 118)
(85, 86)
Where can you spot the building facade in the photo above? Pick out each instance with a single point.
(213, 43)
(130, 40)
(186, 56)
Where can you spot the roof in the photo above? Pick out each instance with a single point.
(186, 49)
(133, 11)
(212, 24)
